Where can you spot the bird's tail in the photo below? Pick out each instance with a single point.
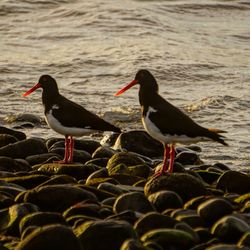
(215, 134)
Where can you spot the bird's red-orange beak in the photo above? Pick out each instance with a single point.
(126, 87)
(38, 85)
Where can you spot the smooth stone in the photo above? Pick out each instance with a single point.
(221, 166)
(50, 237)
(206, 245)
(164, 199)
(207, 176)
(153, 220)
(29, 181)
(239, 185)
(142, 170)
(168, 238)
(132, 244)
(57, 198)
(40, 158)
(129, 188)
(177, 168)
(126, 179)
(101, 162)
(103, 152)
(230, 229)
(193, 220)
(76, 170)
(185, 185)
(100, 194)
(182, 212)
(204, 234)
(244, 240)
(4, 174)
(109, 201)
(130, 216)
(242, 199)
(11, 165)
(79, 155)
(188, 158)
(135, 201)
(111, 188)
(139, 142)
(6, 139)
(6, 201)
(226, 247)
(246, 208)
(38, 219)
(127, 158)
(86, 145)
(187, 228)
(97, 181)
(34, 119)
(100, 173)
(58, 179)
(83, 208)
(11, 188)
(104, 235)
(11, 217)
(24, 148)
(195, 202)
(213, 209)
(17, 134)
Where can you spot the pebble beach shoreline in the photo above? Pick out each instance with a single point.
(108, 199)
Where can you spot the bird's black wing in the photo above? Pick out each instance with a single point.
(171, 120)
(73, 115)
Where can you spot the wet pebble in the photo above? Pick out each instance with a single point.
(50, 237)
(139, 142)
(24, 148)
(135, 201)
(57, 198)
(240, 183)
(17, 134)
(110, 234)
(113, 197)
(185, 185)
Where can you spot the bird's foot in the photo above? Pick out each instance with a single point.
(158, 174)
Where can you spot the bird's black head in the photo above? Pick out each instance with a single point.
(146, 80)
(47, 83)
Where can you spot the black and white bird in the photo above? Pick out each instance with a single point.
(67, 117)
(166, 123)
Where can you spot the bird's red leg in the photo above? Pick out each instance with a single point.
(165, 161)
(66, 151)
(71, 149)
(171, 160)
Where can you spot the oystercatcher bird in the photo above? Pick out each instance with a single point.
(166, 123)
(66, 117)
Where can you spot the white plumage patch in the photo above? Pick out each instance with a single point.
(55, 106)
(59, 128)
(155, 132)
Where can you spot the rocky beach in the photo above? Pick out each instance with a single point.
(108, 199)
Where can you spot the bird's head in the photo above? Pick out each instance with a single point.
(46, 82)
(145, 79)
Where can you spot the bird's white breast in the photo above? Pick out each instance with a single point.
(59, 128)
